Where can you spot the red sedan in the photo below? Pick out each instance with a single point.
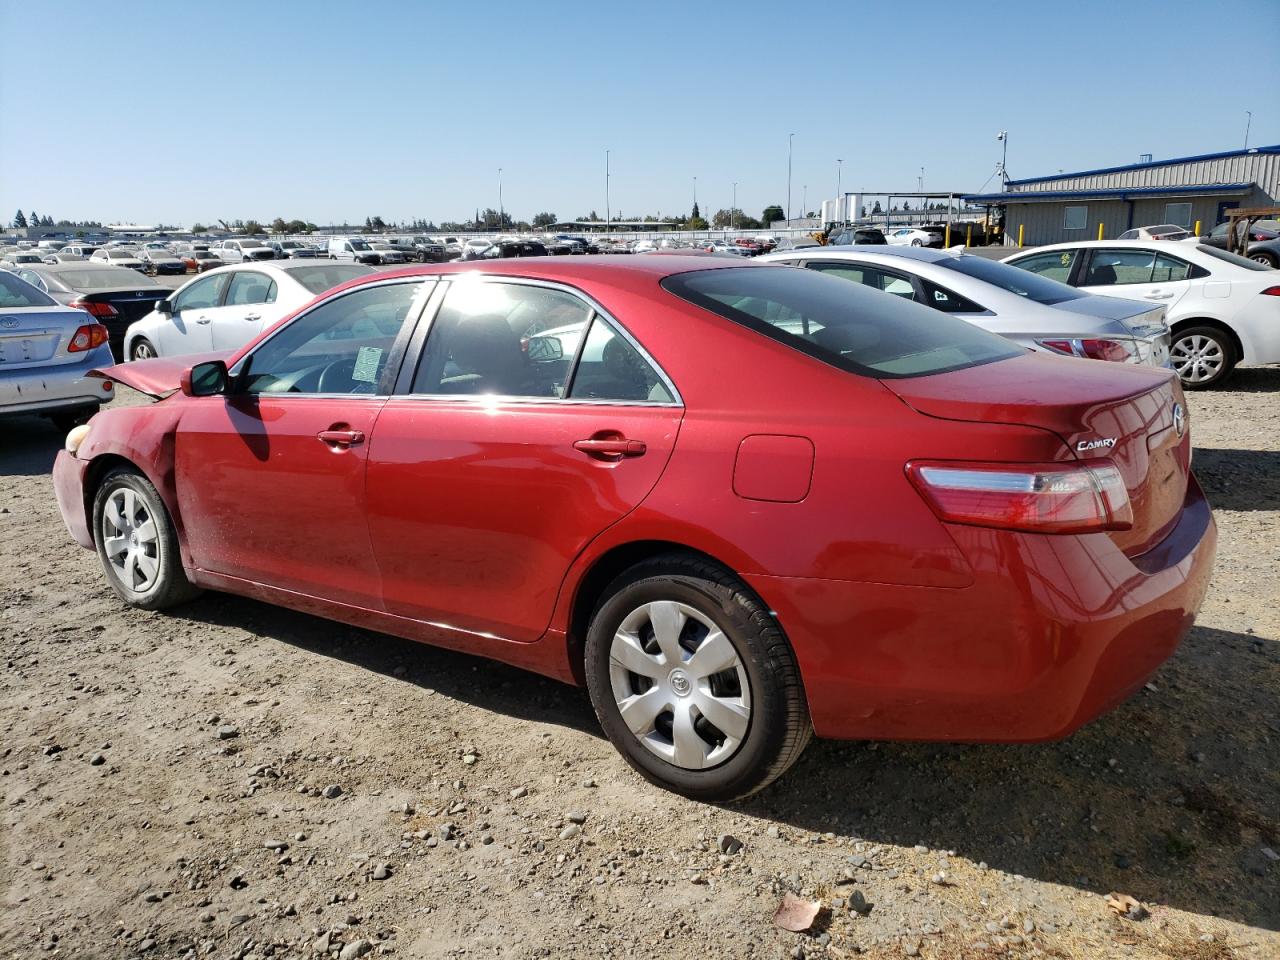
(740, 503)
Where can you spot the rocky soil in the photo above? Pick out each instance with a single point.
(236, 781)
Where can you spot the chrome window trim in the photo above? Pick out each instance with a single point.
(427, 281)
(591, 302)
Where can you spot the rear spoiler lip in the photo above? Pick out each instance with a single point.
(158, 377)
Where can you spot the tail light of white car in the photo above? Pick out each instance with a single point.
(1057, 498)
(1115, 349)
(88, 337)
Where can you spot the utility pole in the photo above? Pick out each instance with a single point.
(840, 196)
(789, 138)
(1003, 137)
(1247, 124)
(733, 208)
(804, 200)
(608, 218)
(501, 219)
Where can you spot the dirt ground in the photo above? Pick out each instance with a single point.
(168, 786)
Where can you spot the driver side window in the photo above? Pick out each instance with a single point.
(339, 347)
(202, 295)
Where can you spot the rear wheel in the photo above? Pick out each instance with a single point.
(142, 350)
(136, 543)
(1263, 257)
(693, 681)
(1202, 356)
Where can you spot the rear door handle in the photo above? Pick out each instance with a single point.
(253, 316)
(1157, 295)
(341, 438)
(613, 448)
(203, 320)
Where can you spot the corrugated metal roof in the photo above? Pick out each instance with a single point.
(1119, 193)
(1274, 148)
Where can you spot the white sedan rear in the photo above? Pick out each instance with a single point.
(226, 308)
(1223, 309)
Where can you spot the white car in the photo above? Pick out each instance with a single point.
(475, 249)
(119, 257)
(1224, 310)
(910, 237)
(238, 251)
(389, 253)
(1035, 312)
(1161, 231)
(226, 308)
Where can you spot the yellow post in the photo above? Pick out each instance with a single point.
(968, 235)
(1099, 231)
(946, 239)
(1197, 229)
(1020, 226)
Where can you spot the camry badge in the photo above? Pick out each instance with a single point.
(1179, 419)
(1106, 443)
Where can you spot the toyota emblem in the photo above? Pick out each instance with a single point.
(8, 322)
(1179, 419)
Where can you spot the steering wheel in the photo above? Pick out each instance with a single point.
(338, 377)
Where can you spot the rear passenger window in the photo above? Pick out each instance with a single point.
(1170, 268)
(1118, 267)
(1055, 264)
(943, 299)
(611, 368)
(868, 276)
(249, 287)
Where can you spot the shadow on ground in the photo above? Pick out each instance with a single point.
(1179, 817)
(29, 446)
(1239, 479)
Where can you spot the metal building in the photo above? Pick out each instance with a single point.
(1184, 190)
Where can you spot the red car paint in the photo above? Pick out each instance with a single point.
(478, 526)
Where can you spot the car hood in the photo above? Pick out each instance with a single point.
(158, 377)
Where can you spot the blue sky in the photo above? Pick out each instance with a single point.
(180, 111)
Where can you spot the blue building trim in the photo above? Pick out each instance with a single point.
(1121, 193)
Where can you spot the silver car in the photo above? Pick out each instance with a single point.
(46, 353)
(1036, 312)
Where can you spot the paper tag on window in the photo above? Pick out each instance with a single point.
(367, 361)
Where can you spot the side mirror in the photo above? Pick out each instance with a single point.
(165, 307)
(204, 379)
(543, 349)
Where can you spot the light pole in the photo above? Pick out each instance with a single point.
(1003, 137)
(804, 200)
(733, 208)
(501, 218)
(789, 138)
(839, 196)
(608, 218)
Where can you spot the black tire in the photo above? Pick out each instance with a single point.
(65, 420)
(170, 586)
(1263, 257)
(779, 728)
(146, 345)
(1221, 339)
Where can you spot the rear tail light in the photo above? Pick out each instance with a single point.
(1271, 292)
(89, 337)
(94, 309)
(1050, 498)
(1115, 350)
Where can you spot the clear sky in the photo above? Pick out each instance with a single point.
(179, 112)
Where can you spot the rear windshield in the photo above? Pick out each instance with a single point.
(16, 292)
(1013, 279)
(1233, 258)
(846, 325)
(320, 278)
(105, 278)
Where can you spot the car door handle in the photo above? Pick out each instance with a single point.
(611, 448)
(341, 438)
(253, 316)
(1157, 295)
(203, 320)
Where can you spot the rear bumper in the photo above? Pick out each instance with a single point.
(52, 388)
(68, 487)
(1054, 632)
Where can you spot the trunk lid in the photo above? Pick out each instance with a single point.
(1141, 319)
(1133, 416)
(157, 377)
(38, 336)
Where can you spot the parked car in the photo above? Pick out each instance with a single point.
(1264, 241)
(388, 253)
(60, 257)
(46, 353)
(227, 308)
(198, 261)
(354, 249)
(1037, 313)
(426, 250)
(1163, 231)
(113, 296)
(158, 261)
(913, 237)
(452, 247)
(1223, 309)
(886, 523)
(292, 250)
(238, 251)
(19, 258)
(847, 236)
(475, 249)
(85, 250)
(119, 257)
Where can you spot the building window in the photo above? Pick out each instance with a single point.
(1178, 214)
(1075, 218)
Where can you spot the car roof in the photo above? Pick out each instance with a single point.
(922, 254)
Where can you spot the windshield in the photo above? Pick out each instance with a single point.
(359, 245)
(251, 243)
(105, 278)
(1012, 279)
(1233, 258)
(16, 292)
(845, 325)
(318, 279)
(122, 254)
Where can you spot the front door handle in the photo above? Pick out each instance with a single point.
(611, 448)
(1157, 295)
(203, 320)
(253, 316)
(341, 438)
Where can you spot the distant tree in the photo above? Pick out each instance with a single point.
(696, 223)
(312, 228)
(906, 205)
(198, 228)
(544, 219)
(876, 209)
(19, 219)
(279, 226)
(722, 218)
(253, 228)
(378, 224)
(33, 220)
(772, 214)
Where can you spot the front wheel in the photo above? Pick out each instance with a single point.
(693, 681)
(1203, 357)
(1265, 258)
(136, 543)
(141, 349)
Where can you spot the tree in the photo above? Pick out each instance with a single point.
(279, 226)
(33, 220)
(544, 219)
(696, 223)
(876, 209)
(378, 224)
(20, 220)
(906, 205)
(253, 228)
(312, 228)
(772, 214)
(295, 226)
(694, 214)
(198, 228)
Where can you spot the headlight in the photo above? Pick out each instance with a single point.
(76, 437)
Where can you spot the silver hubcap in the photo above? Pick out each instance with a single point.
(1197, 358)
(142, 352)
(131, 540)
(680, 685)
